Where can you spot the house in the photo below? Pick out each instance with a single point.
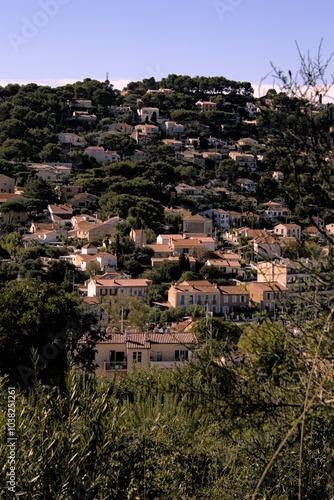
(203, 106)
(60, 214)
(197, 224)
(273, 211)
(124, 128)
(71, 138)
(266, 246)
(104, 287)
(267, 296)
(7, 184)
(139, 155)
(173, 143)
(83, 200)
(146, 114)
(218, 144)
(212, 155)
(196, 292)
(192, 157)
(278, 176)
(330, 228)
(89, 249)
(247, 141)
(143, 140)
(160, 251)
(147, 129)
(101, 155)
(90, 231)
(50, 172)
(235, 218)
(234, 299)
(221, 218)
(121, 353)
(193, 191)
(47, 226)
(138, 237)
(166, 239)
(80, 103)
(83, 116)
(68, 191)
(244, 160)
(189, 246)
(288, 230)
(294, 275)
(311, 232)
(42, 236)
(173, 128)
(192, 142)
(116, 110)
(160, 91)
(226, 266)
(106, 261)
(246, 185)
(12, 216)
(77, 219)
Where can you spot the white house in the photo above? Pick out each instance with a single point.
(147, 113)
(101, 155)
(288, 230)
(173, 128)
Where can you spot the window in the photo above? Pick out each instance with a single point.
(242, 298)
(181, 355)
(182, 300)
(159, 355)
(225, 299)
(268, 295)
(234, 299)
(136, 356)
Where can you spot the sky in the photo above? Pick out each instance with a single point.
(53, 42)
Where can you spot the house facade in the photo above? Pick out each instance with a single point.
(7, 184)
(121, 353)
(197, 224)
(200, 292)
(111, 287)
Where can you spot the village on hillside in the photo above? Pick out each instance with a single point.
(160, 205)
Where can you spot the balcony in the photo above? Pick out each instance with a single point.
(115, 365)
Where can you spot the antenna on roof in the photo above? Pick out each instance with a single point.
(107, 76)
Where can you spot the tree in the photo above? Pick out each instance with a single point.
(15, 149)
(38, 189)
(123, 144)
(40, 325)
(51, 152)
(123, 310)
(93, 268)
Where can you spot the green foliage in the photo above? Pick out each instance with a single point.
(40, 318)
(123, 144)
(38, 189)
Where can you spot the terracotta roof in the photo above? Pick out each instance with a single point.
(267, 287)
(138, 339)
(123, 283)
(233, 290)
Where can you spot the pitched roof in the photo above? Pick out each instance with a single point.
(135, 339)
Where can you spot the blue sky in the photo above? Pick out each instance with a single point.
(57, 41)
